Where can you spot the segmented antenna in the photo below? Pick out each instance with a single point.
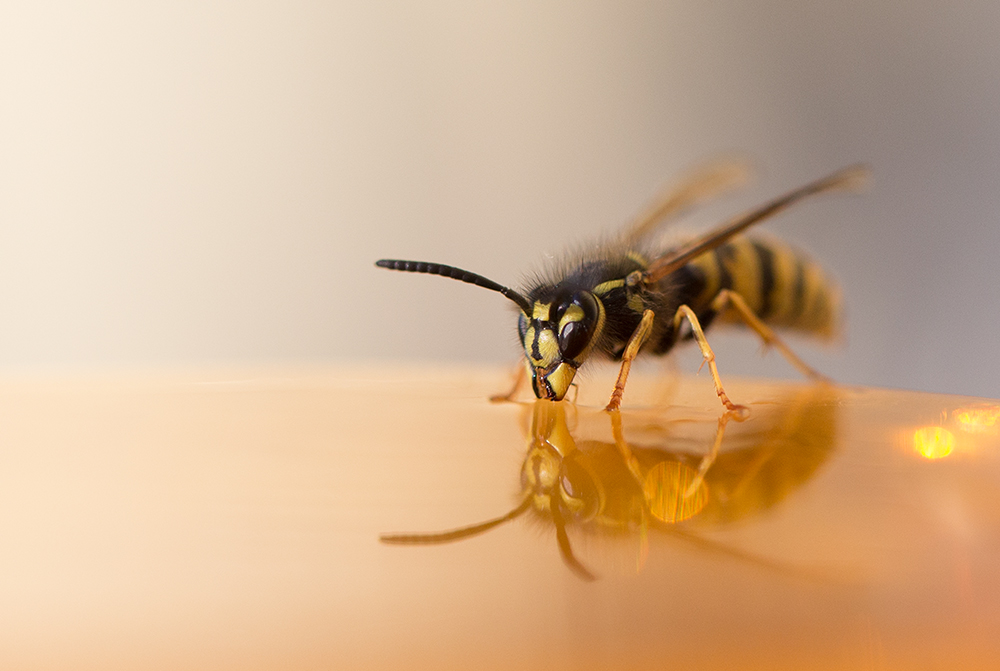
(456, 274)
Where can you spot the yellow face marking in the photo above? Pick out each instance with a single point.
(605, 287)
(574, 313)
(540, 311)
(529, 337)
(548, 347)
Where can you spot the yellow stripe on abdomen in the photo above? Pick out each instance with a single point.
(745, 272)
(781, 284)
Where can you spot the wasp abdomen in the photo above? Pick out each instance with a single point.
(780, 284)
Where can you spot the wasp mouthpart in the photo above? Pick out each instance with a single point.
(552, 383)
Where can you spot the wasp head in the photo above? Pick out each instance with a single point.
(558, 328)
(557, 336)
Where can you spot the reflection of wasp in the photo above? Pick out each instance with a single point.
(622, 295)
(627, 487)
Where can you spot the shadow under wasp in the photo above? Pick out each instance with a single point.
(628, 296)
(660, 481)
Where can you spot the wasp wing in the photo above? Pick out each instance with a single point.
(698, 185)
(852, 178)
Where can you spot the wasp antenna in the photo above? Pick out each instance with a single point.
(456, 274)
(454, 534)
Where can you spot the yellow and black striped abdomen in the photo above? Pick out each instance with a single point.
(783, 286)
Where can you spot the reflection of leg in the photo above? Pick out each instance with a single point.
(631, 351)
(709, 459)
(623, 449)
(727, 298)
(509, 396)
(633, 466)
(707, 354)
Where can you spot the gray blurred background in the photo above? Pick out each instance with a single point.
(191, 183)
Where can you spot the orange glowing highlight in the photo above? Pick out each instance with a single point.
(666, 486)
(978, 419)
(934, 442)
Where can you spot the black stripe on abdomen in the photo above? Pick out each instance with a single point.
(765, 261)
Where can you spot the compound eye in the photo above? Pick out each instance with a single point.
(573, 339)
(576, 333)
(522, 325)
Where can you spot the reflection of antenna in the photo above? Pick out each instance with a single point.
(455, 534)
(475, 529)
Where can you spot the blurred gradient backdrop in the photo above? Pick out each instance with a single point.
(195, 183)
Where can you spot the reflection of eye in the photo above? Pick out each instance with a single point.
(573, 339)
(579, 491)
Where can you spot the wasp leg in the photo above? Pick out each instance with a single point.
(639, 336)
(770, 338)
(709, 356)
(509, 396)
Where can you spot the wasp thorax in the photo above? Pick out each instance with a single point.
(557, 337)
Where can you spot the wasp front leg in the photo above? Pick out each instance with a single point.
(684, 312)
(728, 298)
(639, 337)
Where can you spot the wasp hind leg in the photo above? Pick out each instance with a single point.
(728, 298)
(684, 312)
(639, 337)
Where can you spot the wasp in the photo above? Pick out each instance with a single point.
(627, 296)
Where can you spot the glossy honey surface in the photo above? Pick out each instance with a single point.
(232, 520)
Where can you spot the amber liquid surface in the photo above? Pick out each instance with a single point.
(232, 520)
